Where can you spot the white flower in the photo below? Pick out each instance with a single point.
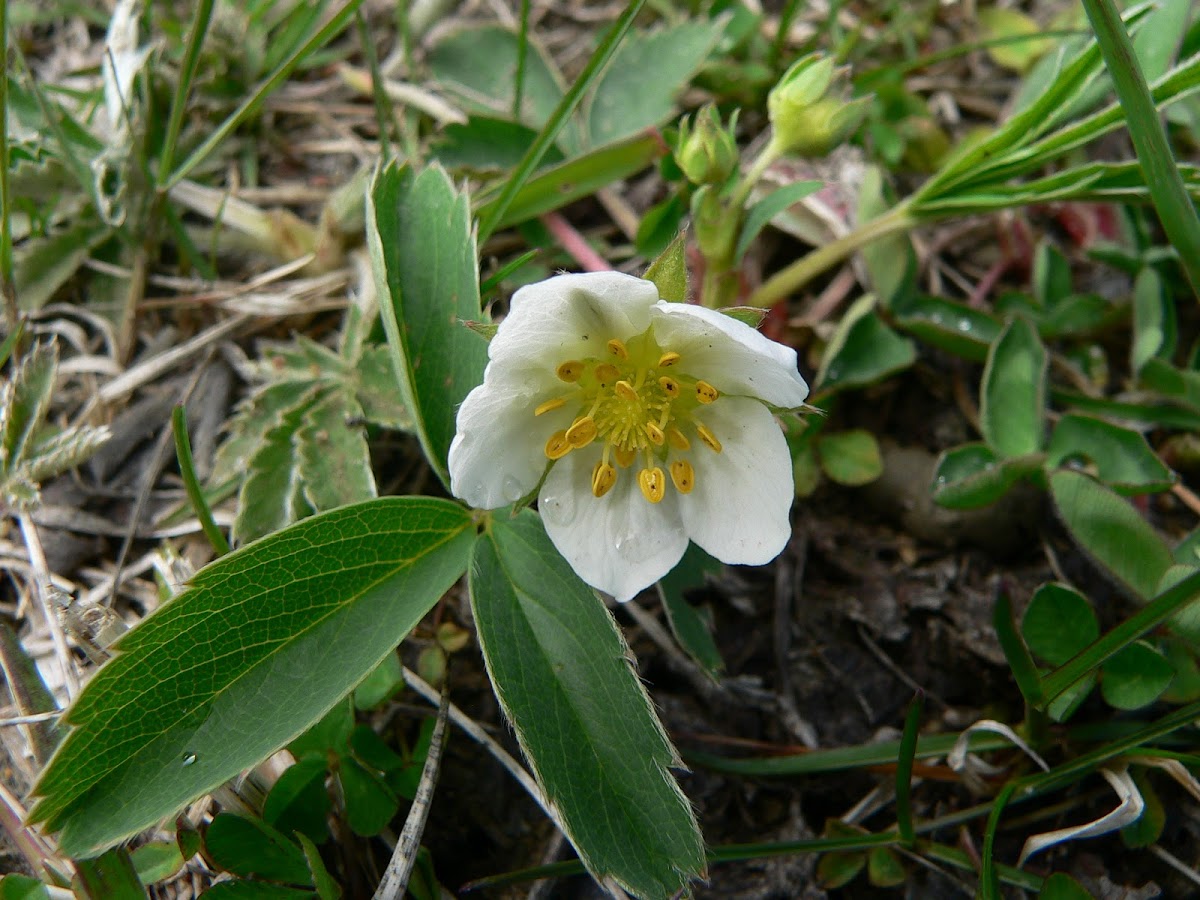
(652, 419)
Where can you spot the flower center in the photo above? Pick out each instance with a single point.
(637, 402)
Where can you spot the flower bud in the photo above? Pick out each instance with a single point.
(805, 119)
(707, 152)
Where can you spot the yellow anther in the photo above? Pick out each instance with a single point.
(558, 446)
(625, 456)
(550, 405)
(607, 373)
(709, 439)
(604, 477)
(670, 386)
(582, 432)
(683, 475)
(655, 434)
(705, 392)
(678, 439)
(617, 349)
(653, 484)
(668, 359)
(625, 390)
(570, 371)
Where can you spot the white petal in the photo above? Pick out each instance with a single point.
(498, 452)
(619, 543)
(738, 510)
(728, 354)
(570, 317)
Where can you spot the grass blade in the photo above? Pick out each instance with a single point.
(1167, 191)
(904, 767)
(183, 450)
(558, 118)
(187, 74)
(252, 103)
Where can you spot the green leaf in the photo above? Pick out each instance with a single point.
(768, 208)
(1058, 623)
(863, 350)
(1060, 886)
(43, 265)
(947, 325)
(484, 144)
(255, 890)
(375, 389)
(996, 22)
(272, 496)
(331, 734)
(850, 457)
(971, 476)
(370, 803)
(1051, 279)
(24, 399)
(559, 666)
(381, 684)
(574, 179)
(479, 64)
(884, 869)
(21, 887)
(327, 888)
(1024, 671)
(333, 459)
(1121, 458)
(1111, 531)
(669, 271)
(423, 255)
(638, 87)
(298, 801)
(300, 618)
(1153, 320)
(157, 861)
(692, 630)
(891, 261)
(111, 876)
(1012, 407)
(250, 847)
(1135, 677)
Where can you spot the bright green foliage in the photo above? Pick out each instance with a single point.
(1135, 677)
(298, 801)
(299, 617)
(423, 254)
(690, 627)
(850, 457)
(560, 669)
(1063, 887)
(1111, 532)
(972, 475)
(766, 209)
(20, 887)
(249, 847)
(1118, 457)
(1058, 623)
(669, 271)
(863, 350)
(1013, 397)
(157, 861)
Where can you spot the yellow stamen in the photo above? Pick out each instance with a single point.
(604, 477)
(617, 349)
(624, 456)
(668, 359)
(558, 446)
(570, 371)
(550, 405)
(653, 484)
(670, 386)
(655, 434)
(683, 475)
(625, 390)
(705, 392)
(678, 439)
(709, 439)
(607, 373)
(582, 432)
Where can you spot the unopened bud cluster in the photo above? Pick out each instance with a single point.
(806, 119)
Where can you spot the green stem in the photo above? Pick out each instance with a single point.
(1167, 190)
(741, 193)
(813, 264)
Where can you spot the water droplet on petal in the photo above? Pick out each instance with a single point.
(189, 758)
(558, 509)
(964, 324)
(510, 488)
